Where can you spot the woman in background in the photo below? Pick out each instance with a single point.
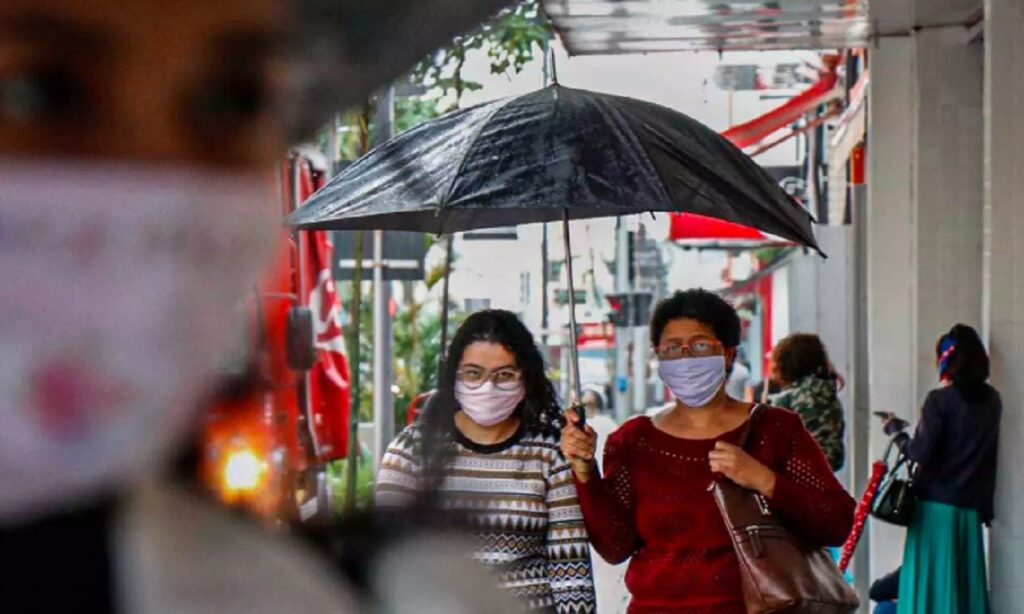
(801, 366)
(955, 448)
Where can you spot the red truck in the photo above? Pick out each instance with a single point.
(266, 446)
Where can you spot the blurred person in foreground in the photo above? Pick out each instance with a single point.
(137, 205)
(955, 446)
(486, 446)
(650, 502)
(810, 387)
(138, 148)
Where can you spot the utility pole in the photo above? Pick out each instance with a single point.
(640, 342)
(383, 398)
(620, 387)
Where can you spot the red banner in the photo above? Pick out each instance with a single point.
(329, 396)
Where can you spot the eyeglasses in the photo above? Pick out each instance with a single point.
(698, 347)
(506, 378)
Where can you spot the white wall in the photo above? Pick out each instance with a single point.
(1004, 255)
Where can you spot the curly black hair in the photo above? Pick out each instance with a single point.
(703, 306)
(540, 411)
(968, 364)
(800, 355)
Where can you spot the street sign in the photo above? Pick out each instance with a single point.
(404, 253)
(502, 233)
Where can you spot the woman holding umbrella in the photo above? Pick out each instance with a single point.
(487, 447)
(652, 504)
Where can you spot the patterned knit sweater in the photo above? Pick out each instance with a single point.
(522, 500)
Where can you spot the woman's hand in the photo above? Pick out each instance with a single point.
(578, 446)
(742, 468)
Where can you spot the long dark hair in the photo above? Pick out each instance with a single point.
(540, 411)
(966, 361)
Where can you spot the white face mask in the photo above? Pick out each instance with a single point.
(121, 288)
(488, 405)
(694, 381)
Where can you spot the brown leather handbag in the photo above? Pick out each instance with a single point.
(780, 573)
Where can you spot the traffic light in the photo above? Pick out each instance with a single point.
(618, 309)
(629, 308)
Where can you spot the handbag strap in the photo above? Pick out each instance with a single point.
(749, 426)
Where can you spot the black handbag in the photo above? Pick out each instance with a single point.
(895, 501)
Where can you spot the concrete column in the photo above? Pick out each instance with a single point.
(821, 301)
(1004, 283)
(924, 222)
(891, 241)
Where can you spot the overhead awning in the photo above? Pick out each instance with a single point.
(708, 233)
(756, 130)
(689, 230)
(642, 26)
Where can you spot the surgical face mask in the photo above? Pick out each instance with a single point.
(694, 381)
(489, 405)
(121, 288)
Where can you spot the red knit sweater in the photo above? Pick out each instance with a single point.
(653, 505)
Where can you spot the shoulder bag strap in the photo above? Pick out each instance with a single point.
(745, 435)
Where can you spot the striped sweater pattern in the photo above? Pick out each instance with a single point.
(522, 500)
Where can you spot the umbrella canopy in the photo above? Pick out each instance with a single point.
(554, 153)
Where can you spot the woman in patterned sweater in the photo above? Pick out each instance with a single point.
(488, 445)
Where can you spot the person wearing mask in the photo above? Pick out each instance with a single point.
(138, 206)
(486, 447)
(650, 502)
(739, 379)
(955, 449)
(140, 144)
(809, 387)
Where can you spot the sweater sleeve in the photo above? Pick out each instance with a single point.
(926, 435)
(399, 474)
(807, 494)
(568, 552)
(608, 503)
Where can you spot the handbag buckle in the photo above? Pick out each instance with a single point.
(754, 532)
(762, 504)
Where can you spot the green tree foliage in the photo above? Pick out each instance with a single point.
(510, 41)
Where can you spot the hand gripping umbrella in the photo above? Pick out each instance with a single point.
(554, 154)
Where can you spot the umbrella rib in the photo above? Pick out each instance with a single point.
(634, 141)
(465, 156)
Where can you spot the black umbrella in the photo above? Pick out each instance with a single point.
(554, 154)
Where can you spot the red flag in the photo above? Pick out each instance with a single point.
(328, 392)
